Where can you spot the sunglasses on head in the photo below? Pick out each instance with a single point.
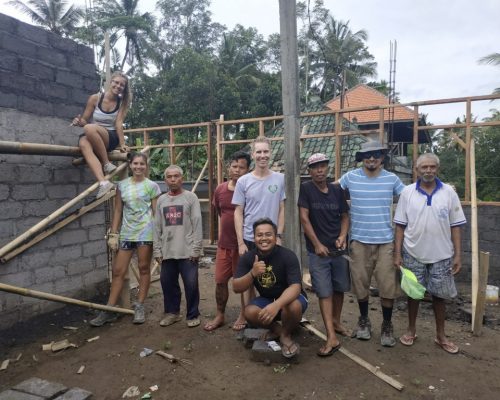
(374, 154)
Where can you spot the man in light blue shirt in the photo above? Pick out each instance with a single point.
(372, 189)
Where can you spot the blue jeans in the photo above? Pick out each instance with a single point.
(169, 278)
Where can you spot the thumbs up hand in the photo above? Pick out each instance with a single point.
(259, 267)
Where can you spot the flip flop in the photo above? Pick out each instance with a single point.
(330, 352)
(407, 339)
(286, 350)
(239, 326)
(449, 347)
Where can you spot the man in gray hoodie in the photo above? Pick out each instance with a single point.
(177, 246)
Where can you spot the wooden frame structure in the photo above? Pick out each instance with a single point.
(215, 170)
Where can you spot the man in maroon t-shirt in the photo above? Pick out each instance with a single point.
(227, 246)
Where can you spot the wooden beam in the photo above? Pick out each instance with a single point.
(41, 149)
(358, 360)
(415, 142)
(291, 122)
(460, 142)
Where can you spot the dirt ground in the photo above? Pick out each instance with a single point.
(221, 366)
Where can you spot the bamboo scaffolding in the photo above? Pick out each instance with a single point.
(61, 299)
(77, 214)
(46, 221)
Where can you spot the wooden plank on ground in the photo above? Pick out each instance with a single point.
(358, 360)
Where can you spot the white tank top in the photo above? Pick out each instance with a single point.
(104, 118)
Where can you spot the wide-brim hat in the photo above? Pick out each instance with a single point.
(317, 158)
(370, 145)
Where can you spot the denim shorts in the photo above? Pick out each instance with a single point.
(262, 302)
(127, 245)
(437, 277)
(329, 274)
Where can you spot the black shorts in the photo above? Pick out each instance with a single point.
(113, 140)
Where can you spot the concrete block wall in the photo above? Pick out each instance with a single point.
(489, 241)
(43, 73)
(44, 82)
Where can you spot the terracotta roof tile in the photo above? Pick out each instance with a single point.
(365, 96)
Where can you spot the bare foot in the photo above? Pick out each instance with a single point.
(342, 330)
(212, 325)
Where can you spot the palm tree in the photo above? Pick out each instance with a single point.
(493, 59)
(52, 14)
(123, 19)
(339, 49)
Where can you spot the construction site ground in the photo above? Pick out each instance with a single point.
(218, 366)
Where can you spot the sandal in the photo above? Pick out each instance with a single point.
(170, 319)
(333, 349)
(192, 323)
(449, 347)
(287, 350)
(408, 339)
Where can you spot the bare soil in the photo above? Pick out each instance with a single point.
(221, 366)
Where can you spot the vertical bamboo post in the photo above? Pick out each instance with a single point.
(107, 60)
(338, 147)
(474, 233)
(468, 141)
(415, 142)
(381, 126)
(218, 149)
(484, 266)
(261, 128)
(211, 228)
(172, 148)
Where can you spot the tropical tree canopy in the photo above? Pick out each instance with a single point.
(55, 15)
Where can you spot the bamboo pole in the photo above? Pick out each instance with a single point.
(46, 221)
(42, 149)
(474, 237)
(77, 214)
(484, 266)
(358, 360)
(338, 146)
(61, 299)
(195, 186)
(468, 143)
(415, 142)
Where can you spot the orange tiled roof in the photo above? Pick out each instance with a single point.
(363, 96)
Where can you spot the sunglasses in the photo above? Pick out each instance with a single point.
(374, 154)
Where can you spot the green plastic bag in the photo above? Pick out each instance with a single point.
(410, 285)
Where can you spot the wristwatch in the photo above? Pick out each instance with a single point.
(279, 235)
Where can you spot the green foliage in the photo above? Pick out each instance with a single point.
(55, 15)
(487, 152)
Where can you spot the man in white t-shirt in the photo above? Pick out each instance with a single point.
(428, 232)
(258, 194)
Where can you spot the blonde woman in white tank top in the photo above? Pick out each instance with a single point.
(102, 123)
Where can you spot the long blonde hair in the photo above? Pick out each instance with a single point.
(126, 100)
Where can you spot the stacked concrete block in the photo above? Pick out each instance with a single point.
(44, 82)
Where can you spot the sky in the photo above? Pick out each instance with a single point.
(439, 43)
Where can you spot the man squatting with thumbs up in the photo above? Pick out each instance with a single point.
(275, 272)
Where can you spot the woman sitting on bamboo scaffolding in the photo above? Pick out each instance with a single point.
(104, 133)
(135, 203)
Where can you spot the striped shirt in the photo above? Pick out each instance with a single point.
(371, 202)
